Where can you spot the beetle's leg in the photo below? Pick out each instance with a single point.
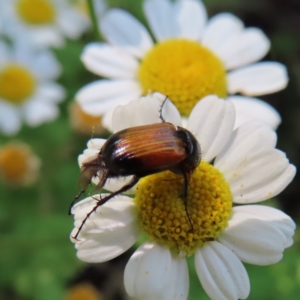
(185, 194)
(75, 199)
(101, 183)
(160, 110)
(100, 202)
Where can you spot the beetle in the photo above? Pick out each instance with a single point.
(141, 151)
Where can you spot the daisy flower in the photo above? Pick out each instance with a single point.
(27, 88)
(189, 59)
(45, 22)
(238, 166)
(19, 166)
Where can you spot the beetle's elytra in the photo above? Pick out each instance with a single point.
(141, 151)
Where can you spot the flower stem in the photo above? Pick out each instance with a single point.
(94, 19)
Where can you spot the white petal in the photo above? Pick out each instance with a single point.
(50, 92)
(160, 17)
(259, 175)
(96, 144)
(123, 30)
(37, 112)
(271, 215)
(45, 65)
(107, 119)
(258, 79)
(247, 139)
(114, 184)
(10, 122)
(152, 273)
(244, 48)
(108, 232)
(102, 95)
(182, 19)
(257, 183)
(190, 18)
(109, 61)
(88, 154)
(221, 273)
(248, 109)
(144, 111)
(219, 30)
(212, 121)
(72, 23)
(258, 234)
(47, 36)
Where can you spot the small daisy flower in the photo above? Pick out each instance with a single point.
(84, 123)
(238, 166)
(27, 88)
(83, 291)
(45, 22)
(19, 166)
(190, 59)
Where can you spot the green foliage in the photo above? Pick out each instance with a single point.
(37, 258)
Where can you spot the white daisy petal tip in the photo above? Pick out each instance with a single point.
(108, 232)
(108, 61)
(258, 234)
(190, 17)
(88, 154)
(95, 144)
(248, 109)
(258, 79)
(252, 45)
(121, 29)
(219, 29)
(212, 121)
(144, 111)
(265, 176)
(152, 273)
(221, 273)
(101, 96)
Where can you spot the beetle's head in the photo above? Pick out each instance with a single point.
(93, 168)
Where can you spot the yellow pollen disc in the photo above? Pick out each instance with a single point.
(162, 213)
(36, 12)
(16, 84)
(83, 291)
(185, 71)
(18, 165)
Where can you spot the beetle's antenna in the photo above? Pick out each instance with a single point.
(160, 110)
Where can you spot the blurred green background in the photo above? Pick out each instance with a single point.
(37, 259)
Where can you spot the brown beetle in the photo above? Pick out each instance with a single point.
(141, 151)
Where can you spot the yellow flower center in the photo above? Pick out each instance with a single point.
(83, 291)
(185, 71)
(82, 6)
(163, 215)
(83, 122)
(18, 165)
(16, 84)
(36, 12)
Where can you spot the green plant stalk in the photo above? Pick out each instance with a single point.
(94, 19)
